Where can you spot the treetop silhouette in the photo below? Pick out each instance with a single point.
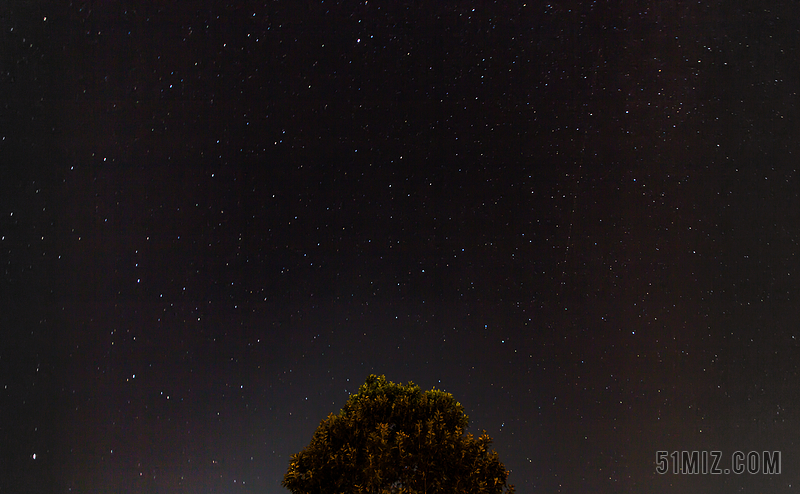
(393, 438)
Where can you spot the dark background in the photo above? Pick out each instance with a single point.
(580, 218)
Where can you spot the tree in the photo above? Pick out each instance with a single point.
(395, 439)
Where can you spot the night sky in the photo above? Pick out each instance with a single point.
(217, 219)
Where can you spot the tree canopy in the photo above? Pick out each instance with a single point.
(391, 438)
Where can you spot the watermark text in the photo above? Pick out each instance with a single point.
(714, 462)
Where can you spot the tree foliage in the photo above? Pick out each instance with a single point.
(391, 438)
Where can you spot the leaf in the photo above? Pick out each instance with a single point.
(393, 438)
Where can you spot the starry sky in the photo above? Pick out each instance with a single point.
(217, 218)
